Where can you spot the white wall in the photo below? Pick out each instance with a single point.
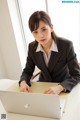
(3, 73)
(10, 66)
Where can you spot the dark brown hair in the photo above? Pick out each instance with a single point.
(38, 16)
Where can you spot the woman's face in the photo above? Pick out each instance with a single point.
(43, 33)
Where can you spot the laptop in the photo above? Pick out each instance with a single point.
(36, 104)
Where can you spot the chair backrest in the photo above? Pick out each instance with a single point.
(36, 75)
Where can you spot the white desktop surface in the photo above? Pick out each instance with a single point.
(72, 109)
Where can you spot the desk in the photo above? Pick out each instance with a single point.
(72, 108)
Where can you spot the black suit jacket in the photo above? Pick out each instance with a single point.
(63, 66)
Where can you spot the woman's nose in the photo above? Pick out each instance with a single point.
(41, 35)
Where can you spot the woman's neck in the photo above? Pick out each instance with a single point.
(47, 46)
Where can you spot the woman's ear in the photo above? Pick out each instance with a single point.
(51, 27)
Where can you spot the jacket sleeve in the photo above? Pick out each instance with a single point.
(73, 67)
(28, 70)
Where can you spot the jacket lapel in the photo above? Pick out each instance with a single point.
(53, 60)
(41, 64)
(54, 57)
(39, 59)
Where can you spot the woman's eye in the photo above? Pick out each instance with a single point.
(35, 32)
(44, 29)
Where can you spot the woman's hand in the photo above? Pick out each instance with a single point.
(24, 87)
(54, 90)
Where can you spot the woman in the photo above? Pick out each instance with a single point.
(54, 56)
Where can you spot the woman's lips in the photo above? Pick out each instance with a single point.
(42, 40)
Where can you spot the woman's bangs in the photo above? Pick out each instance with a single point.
(35, 25)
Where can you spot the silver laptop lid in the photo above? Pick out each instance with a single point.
(37, 104)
